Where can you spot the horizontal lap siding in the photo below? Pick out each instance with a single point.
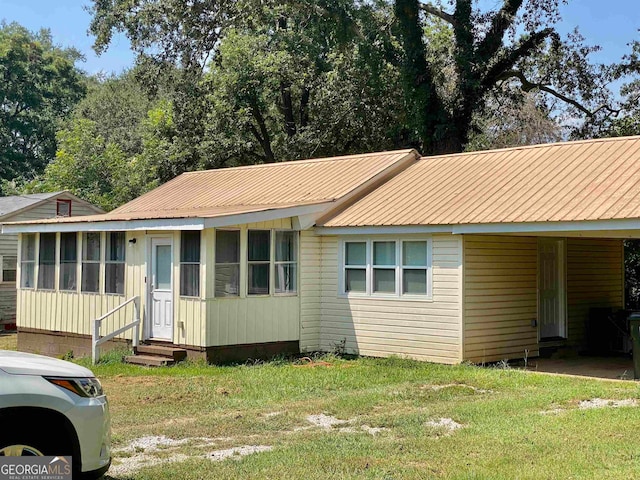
(500, 297)
(594, 279)
(248, 320)
(310, 295)
(425, 330)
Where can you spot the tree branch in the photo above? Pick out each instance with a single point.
(508, 60)
(501, 21)
(438, 12)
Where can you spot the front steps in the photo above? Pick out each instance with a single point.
(156, 355)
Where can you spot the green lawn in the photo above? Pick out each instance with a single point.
(504, 435)
(8, 341)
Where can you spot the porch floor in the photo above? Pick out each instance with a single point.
(620, 368)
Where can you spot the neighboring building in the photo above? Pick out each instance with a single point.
(478, 256)
(29, 207)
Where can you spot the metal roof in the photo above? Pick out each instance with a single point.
(257, 188)
(572, 181)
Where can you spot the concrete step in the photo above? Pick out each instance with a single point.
(175, 353)
(149, 360)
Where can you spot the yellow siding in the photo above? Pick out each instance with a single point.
(244, 319)
(594, 279)
(310, 292)
(500, 297)
(425, 330)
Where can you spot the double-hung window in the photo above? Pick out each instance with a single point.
(9, 263)
(395, 268)
(286, 264)
(190, 264)
(114, 263)
(68, 260)
(227, 274)
(47, 261)
(28, 261)
(258, 261)
(91, 252)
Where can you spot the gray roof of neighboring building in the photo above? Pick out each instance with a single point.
(14, 203)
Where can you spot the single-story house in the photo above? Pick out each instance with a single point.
(17, 208)
(479, 256)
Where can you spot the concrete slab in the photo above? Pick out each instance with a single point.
(619, 368)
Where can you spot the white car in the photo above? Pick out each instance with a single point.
(53, 407)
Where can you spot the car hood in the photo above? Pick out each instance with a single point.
(20, 363)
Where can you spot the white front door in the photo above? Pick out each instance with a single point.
(161, 289)
(551, 287)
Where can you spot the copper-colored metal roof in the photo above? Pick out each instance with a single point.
(231, 191)
(573, 181)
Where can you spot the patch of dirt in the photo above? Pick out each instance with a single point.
(308, 362)
(603, 403)
(436, 388)
(373, 430)
(271, 414)
(325, 421)
(448, 424)
(236, 452)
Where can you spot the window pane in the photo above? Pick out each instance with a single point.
(414, 282)
(68, 276)
(190, 279)
(356, 253)
(91, 246)
(29, 246)
(227, 246)
(227, 280)
(286, 280)
(355, 280)
(9, 268)
(27, 274)
(414, 254)
(115, 246)
(259, 279)
(259, 245)
(190, 247)
(163, 267)
(68, 247)
(384, 253)
(114, 278)
(286, 247)
(90, 277)
(384, 280)
(47, 261)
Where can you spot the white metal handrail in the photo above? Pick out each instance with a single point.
(96, 339)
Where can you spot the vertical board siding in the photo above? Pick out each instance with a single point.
(310, 292)
(594, 279)
(500, 297)
(425, 330)
(244, 319)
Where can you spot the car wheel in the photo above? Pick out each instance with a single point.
(19, 450)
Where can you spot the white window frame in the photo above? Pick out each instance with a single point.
(399, 243)
(2, 280)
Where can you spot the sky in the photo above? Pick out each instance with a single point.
(611, 24)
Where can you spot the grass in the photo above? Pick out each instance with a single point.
(8, 341)
(504, 435)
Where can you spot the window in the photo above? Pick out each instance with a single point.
(286, 262)
(384, 267)
(91, 246)
(394, 268)
(414, 268)
(114, 263)
(63, 208)
(190, 264)
(28, 261)
(9, 263)
(258, 255)
(47, 261)
(227, 273)
(355, 270)
(68, 260)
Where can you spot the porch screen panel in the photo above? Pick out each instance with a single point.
(259, 254)
(91, 246)
(115, 263)
(286, 262)
(47, 261)
(68, 260)
(227, 268)
(28, 261)
(190, 264)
